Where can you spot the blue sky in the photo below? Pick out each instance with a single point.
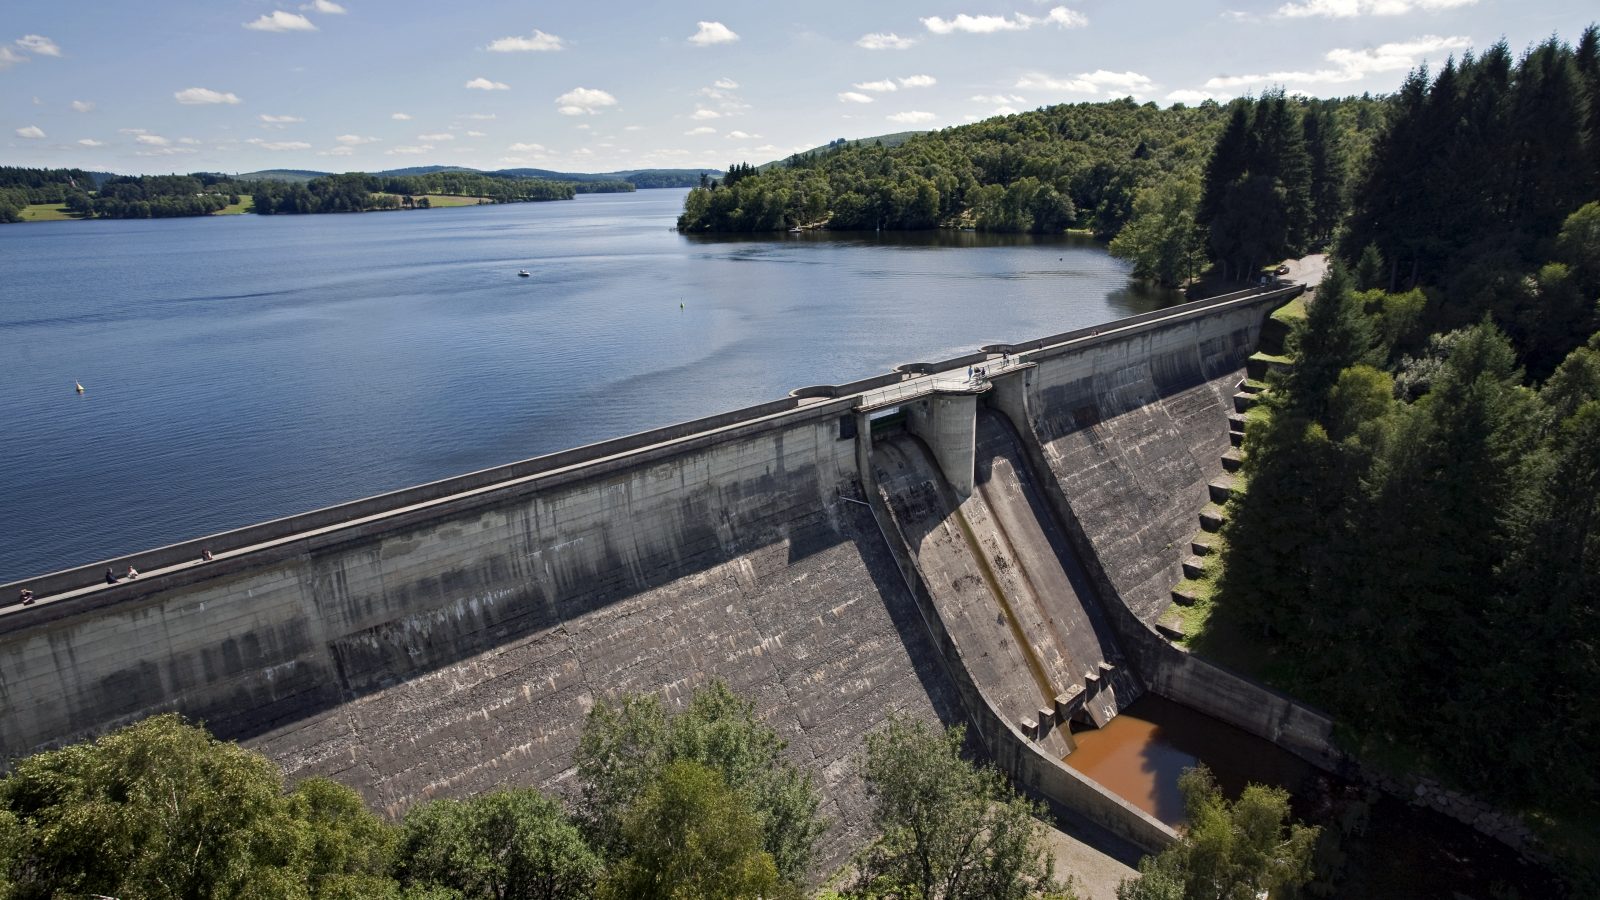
(239, 85)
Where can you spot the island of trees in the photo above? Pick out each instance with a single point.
(101, 195)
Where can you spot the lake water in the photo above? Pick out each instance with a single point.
(243, 368)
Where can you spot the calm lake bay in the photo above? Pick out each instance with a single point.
(243, 368)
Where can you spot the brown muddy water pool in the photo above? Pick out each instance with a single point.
(1372, 846)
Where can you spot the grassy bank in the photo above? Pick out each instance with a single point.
(46, 212)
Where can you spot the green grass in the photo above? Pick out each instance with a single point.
(441, 201)
(46, 212)
(245, 205)
(438, 200)
(1289, 312)
(1281, 359)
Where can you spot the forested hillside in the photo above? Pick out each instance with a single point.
(1070, 166)
(1418, 547)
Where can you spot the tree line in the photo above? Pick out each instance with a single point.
(697, 804)
(201, 193)
(360, 192)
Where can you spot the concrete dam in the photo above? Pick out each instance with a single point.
(986, 540)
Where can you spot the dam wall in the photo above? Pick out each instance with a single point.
(454, 648)
(450, 638)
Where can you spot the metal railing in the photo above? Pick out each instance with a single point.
(974, 380)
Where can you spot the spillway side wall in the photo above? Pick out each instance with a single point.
(1033, 770)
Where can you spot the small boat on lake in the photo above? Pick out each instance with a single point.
(524, 273)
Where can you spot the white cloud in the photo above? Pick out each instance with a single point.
(582, 101)
(280, 21)
(409, 150)
(31, 132)
(338, 151)
(400, 117)
(743, 136)
(853, 97)
(912, 117)
(916, 81)
(9, 58)
(166, 151)
(351, 140)
(526, 148)
(189, 141)
(39, 44)
(1194, 98)
(1352, 65)
(198, 96)
(1066, 18)
(1098, 81)
(726, 84)
(279, 145)
(712, 33)
(484, 84)
(152, 140)
(998, 98)
(538, 42)
(326, 7)
(880, 86)
(1003, 111)
(279, 120)
(441, 136)
(703, 129)
(83, 106)
(879, 40)
(477, 117)
(90, 142)
(132, 131)
(633, 128)
(705, 115)
(1349, 9)
(476, 134)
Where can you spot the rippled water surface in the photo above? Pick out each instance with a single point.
(243, 368)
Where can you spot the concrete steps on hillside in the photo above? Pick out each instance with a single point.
(1221, 489)
(1171, 626)
(1232, 461)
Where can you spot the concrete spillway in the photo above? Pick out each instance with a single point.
(996, 563)
(1008, 586)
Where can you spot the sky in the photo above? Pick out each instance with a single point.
(352, 85)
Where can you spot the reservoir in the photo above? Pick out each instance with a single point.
(242, 368)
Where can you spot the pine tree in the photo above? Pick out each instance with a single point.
(1334, 336)
(1325, 146)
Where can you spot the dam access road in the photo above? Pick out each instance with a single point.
(990, 548)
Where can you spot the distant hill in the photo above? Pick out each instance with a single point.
(889, 141)
(641, 178)
(293, 176)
